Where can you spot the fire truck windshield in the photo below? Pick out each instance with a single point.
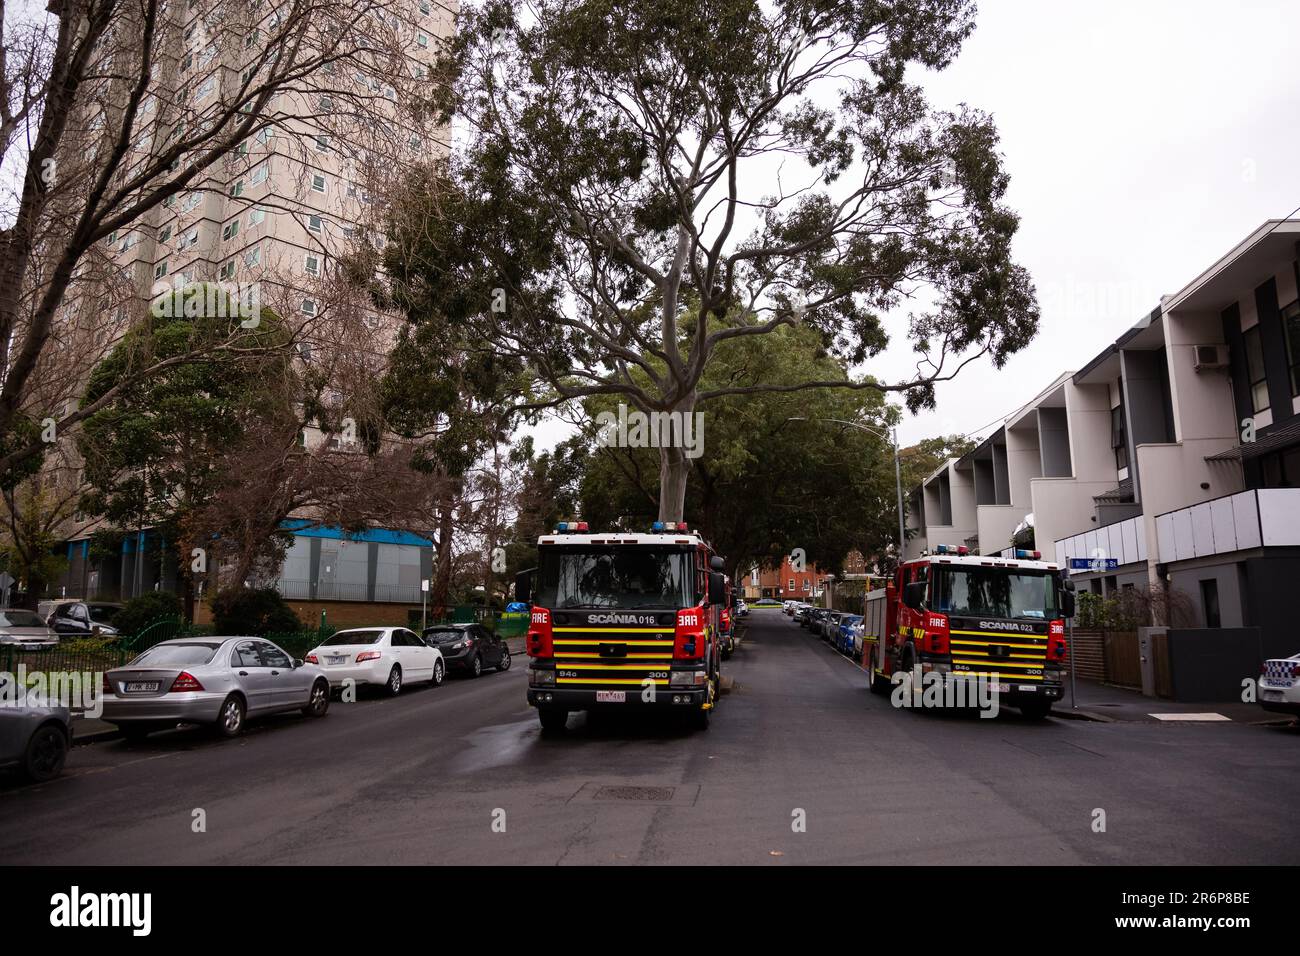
(626, 577)
(994, 592)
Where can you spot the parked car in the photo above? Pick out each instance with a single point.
(767, 602)
(742, 609)
(830, 625)
(468, 647)
(1279, 685)
(34, 735)
(810, 618)
(800, 612)
(80, 618)
(388, 657)
(216, 681)
(846, 633)
(24, 630)
(788, 607)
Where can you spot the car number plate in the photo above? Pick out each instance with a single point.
(335, 660)
(1272, 695)
(611, 696)
(142, 686)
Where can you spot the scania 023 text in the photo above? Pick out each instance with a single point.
(623, 620)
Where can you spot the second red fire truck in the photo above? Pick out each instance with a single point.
(957, 615)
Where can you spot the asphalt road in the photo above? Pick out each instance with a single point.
(461, 774)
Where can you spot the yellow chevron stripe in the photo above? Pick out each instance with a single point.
(1001, 663)
(606, 681)
(613, 630)
(1022, 635)
(630, 657)
(1007, 678)
(1031, 647)
(598, 643)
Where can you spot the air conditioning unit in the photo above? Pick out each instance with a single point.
(1211, 356)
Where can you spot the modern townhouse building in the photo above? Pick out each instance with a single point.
(1173, 456)
(278, 215)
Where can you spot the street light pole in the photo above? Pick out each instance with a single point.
(898, 468)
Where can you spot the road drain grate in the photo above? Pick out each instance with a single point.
(648, 794)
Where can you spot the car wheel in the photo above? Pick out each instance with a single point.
(476, 666)
(230, 721)
(553, 719)
(439, 672)
(394, 685)
(1036, 709)
(505, 660)
(318, 704)
(46, 752)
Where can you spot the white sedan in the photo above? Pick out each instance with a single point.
(387, 657)
(1279, 684)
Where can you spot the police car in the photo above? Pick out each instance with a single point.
(1279, 684)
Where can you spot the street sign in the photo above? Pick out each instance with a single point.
(1094, 564)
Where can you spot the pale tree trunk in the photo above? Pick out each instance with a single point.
(674, 466)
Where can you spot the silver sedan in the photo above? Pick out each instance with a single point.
(34, 733)
(217, 681)
(25, 630)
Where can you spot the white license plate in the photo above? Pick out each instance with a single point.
(142, 686)
(1028, 687)
(1273, 695)
(335, 660)
(611, 696)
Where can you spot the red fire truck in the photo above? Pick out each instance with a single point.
(959, 615)
(623, 619)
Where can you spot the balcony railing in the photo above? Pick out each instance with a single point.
(1261, 518)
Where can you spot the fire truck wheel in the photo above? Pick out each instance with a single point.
(879, 684)
(700, 719)
(553, 719)
(1036, 709)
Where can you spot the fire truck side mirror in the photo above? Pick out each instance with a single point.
(914, 595)
(1067, 599)
(524, 586)
(718, 563)
(717, 588)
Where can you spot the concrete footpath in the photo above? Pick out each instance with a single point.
(1107, 703)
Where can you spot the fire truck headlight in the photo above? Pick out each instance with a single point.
(538, 677)
(688, 678)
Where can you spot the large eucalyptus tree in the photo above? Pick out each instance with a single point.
(641, 181)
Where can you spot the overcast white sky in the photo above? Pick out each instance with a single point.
(1144, 139)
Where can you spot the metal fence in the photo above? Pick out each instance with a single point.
(95, 655)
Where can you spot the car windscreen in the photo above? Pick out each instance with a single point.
(20, 619)
(103, 613)
(625, 577)
(177, 655)
(343, 638)
(994, 592)
(444, 634)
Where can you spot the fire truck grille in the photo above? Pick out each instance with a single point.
(612, 657)
(1017, 657)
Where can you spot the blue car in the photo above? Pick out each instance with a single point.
(846, 636)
